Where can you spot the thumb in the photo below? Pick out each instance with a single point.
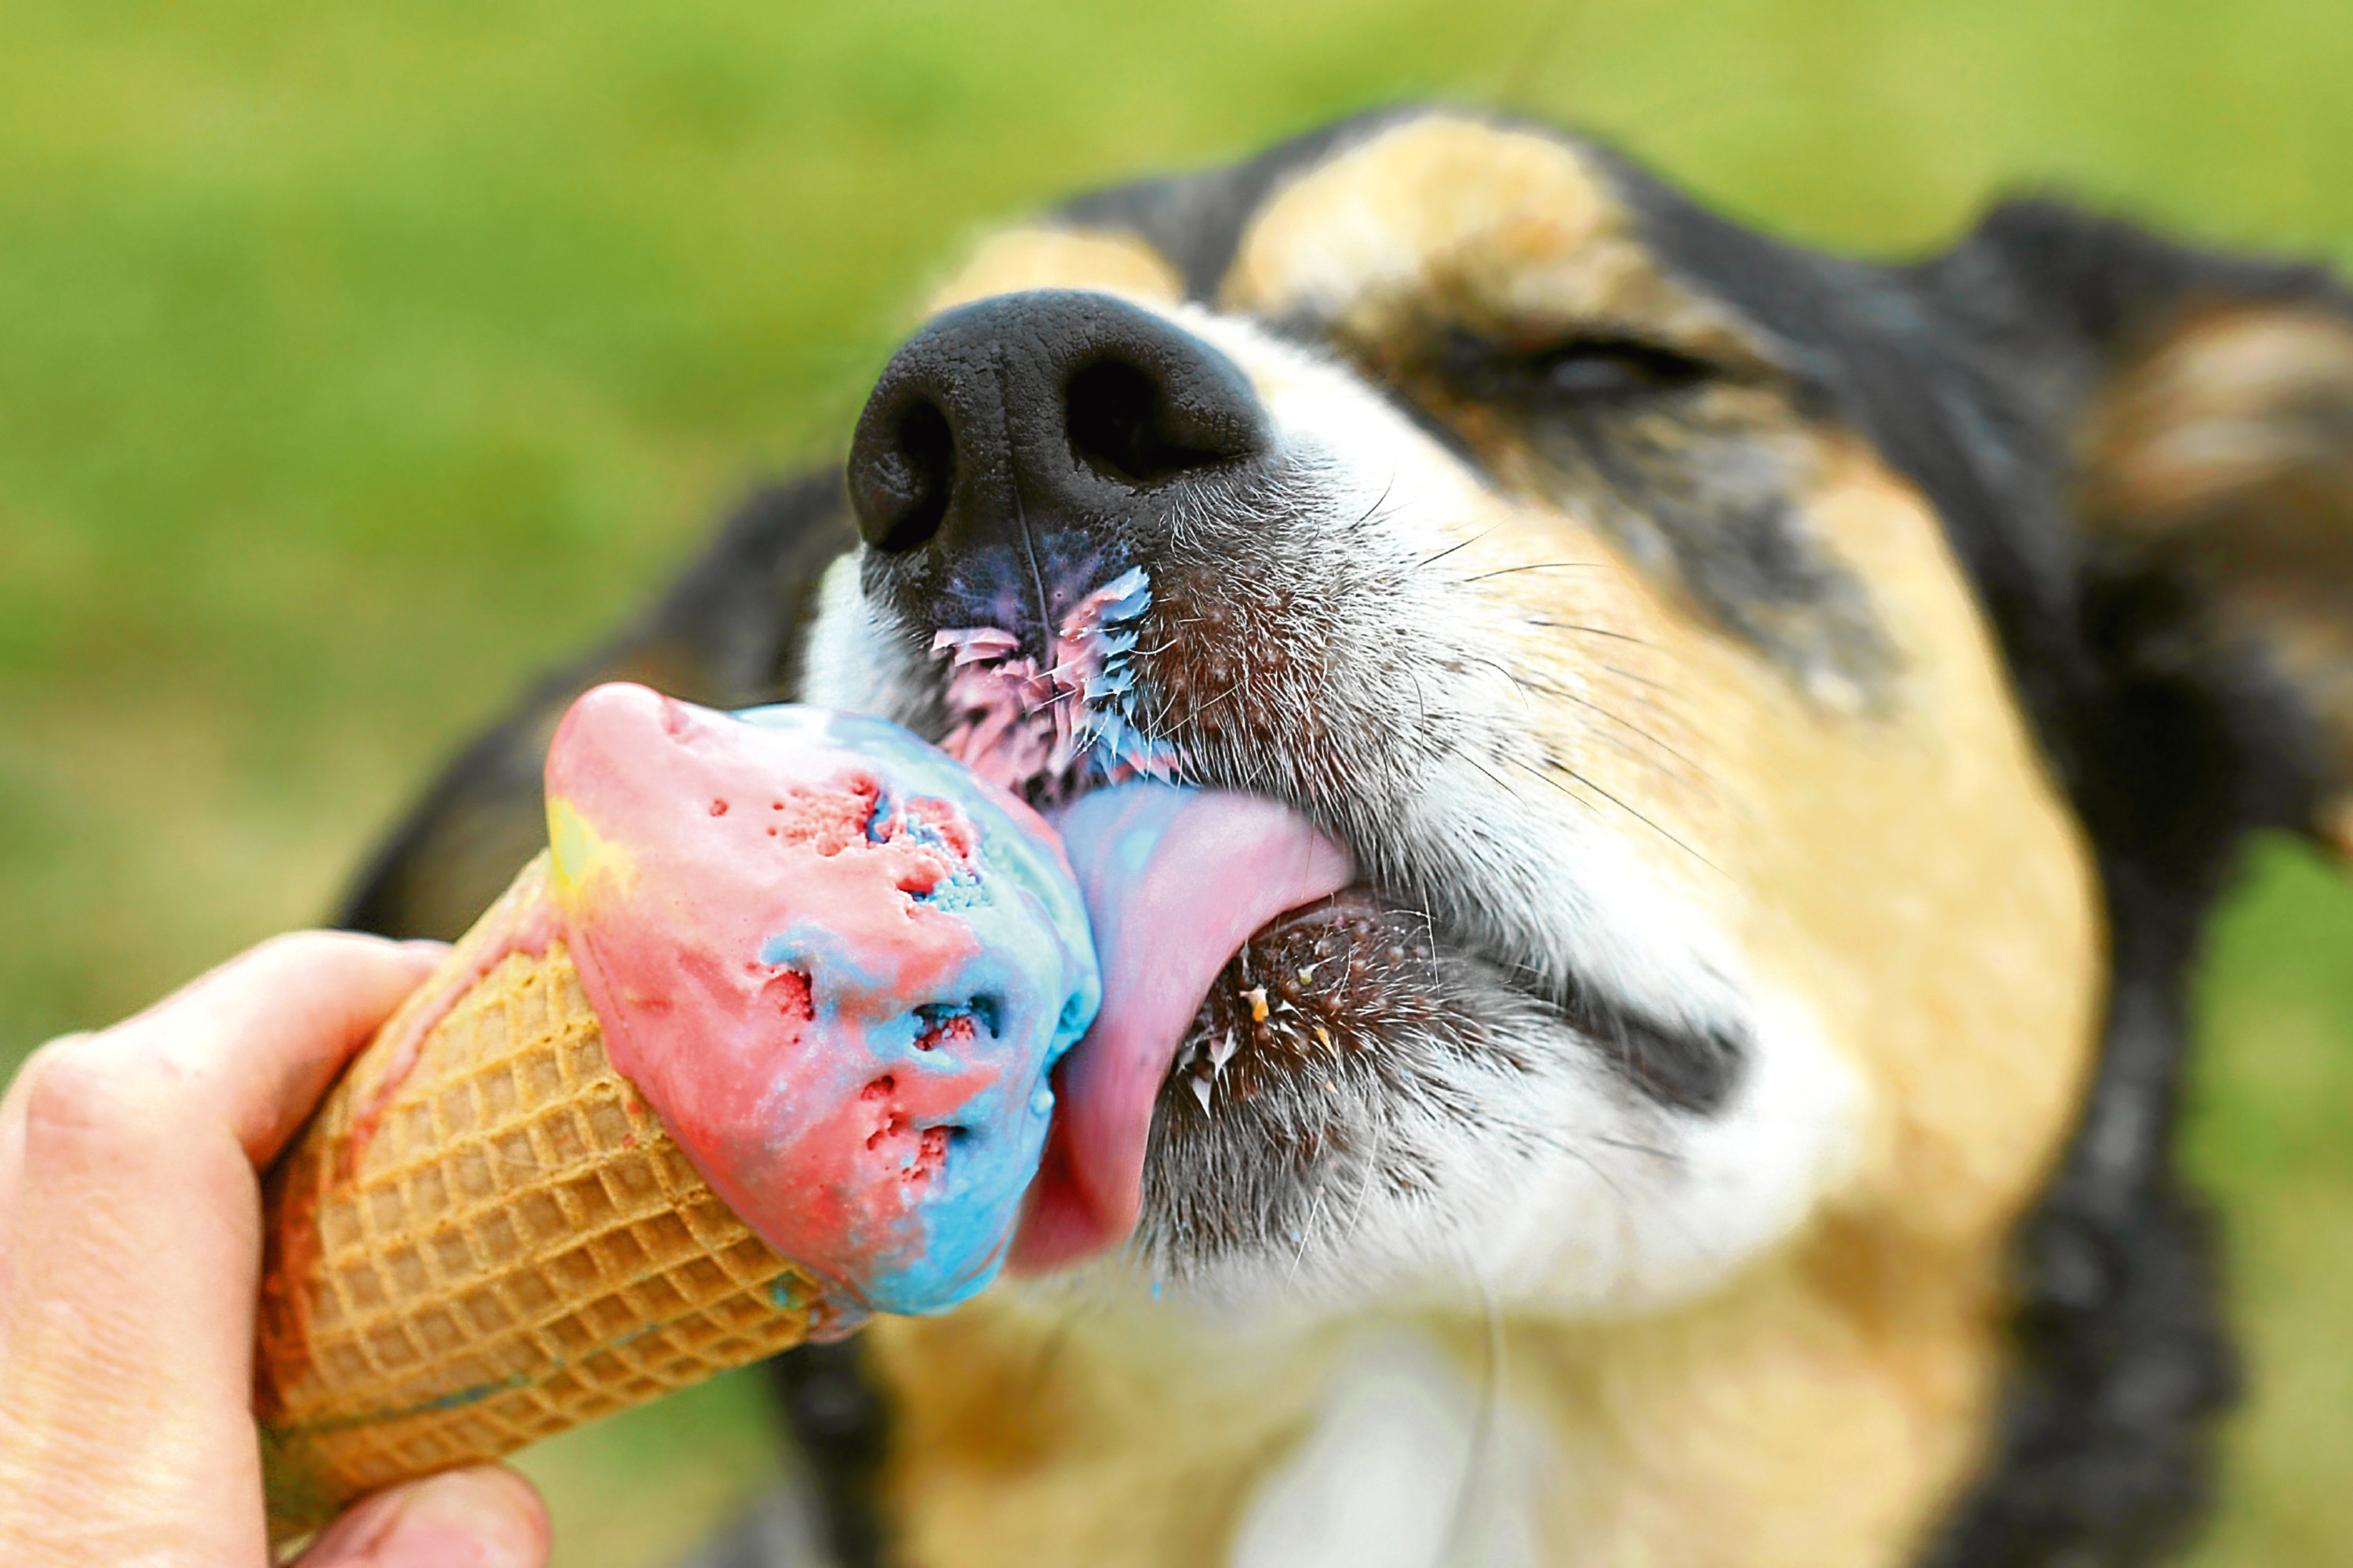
(484, 1517)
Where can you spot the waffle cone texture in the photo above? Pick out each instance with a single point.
(484, 1236)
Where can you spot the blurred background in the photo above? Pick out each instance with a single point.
(356, 362)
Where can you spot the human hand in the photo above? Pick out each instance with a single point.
(129, 1256)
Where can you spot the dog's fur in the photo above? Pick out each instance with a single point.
(1794, 716)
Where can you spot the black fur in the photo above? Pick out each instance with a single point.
(841, 1423)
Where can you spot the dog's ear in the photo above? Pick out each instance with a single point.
(2220, 460)
(2206, 405)
(725, 634)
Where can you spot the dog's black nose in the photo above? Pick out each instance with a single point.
(1052, 415)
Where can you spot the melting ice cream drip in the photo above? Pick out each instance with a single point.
(1046, 733)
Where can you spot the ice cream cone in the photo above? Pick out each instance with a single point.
(485, 1237)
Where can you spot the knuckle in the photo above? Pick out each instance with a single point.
(82, 1093)
(70, 1089)
(39, 1060)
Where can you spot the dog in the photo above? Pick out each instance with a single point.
(1790, 717)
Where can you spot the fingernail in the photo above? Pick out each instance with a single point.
(488, 1517)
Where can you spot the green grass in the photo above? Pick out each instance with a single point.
(356, 361)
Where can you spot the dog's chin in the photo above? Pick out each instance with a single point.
(1333, 1052)
(1307, 1140)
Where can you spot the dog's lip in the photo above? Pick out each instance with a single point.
(1178, 882)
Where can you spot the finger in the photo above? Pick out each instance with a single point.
(258, 1038)
(256, 1041)
(133, 1243)
(487, 1517)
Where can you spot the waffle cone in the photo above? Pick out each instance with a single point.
(485, 1237)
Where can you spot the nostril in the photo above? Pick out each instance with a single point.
(1064, 407)
(903, 484)
(1127, 423)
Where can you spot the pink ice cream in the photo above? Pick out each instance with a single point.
(838, 966)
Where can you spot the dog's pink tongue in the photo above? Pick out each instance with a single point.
(1176, 881)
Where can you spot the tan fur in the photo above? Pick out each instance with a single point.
(2200, 418)
(1919, 880)
(1512, 225)
(1907, 877)
(1030, 1436)
(1811, 1418)
(1062, 259)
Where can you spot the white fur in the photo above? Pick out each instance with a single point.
(1407, 1468)
(851, 663)
(1609, 1224)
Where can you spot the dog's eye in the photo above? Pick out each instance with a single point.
(1593, 370)
(1580, 373)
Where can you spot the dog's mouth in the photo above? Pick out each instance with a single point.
(1241, 950)
(1182, 886)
